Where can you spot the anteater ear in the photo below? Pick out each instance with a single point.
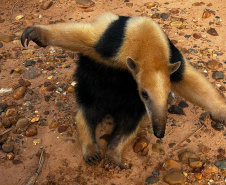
(174, 67)
(131, 64)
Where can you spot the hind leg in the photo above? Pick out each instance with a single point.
(86, 132)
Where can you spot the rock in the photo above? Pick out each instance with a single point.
(174, 178)
(158, 149)
(29, 63)
(221, 164)
(10, 156)
(176, 110)
(31, 131)
(185, 156)
(8, 147)
(140, 144)
(218, 75)
(22, 122)
(212, 32)
(11, 112)
(155, 16)
(5, 38)
(29, 17)
(152, 180)
(155, 173)
(24, 83)
(149, 5)
(221, 151)
(164, 16)
(3, 107)
(35, 119)
(17, 70)
(198, 176)
(217, 126)
(62, 128)
(70, 89)
(54, 125)
(197, 35)
(19, 93)
(6, 123)
(31, 73)
(46, 5)
(213, 64)
(28, 97)
(183, 104)
(171, 164)
(176, 24)
(51, 87)
(28, 52)
(195, 163)
(85, 3)
(130, 5)
(1, 45)
(174, 11)
(17, 161)
(206, 14)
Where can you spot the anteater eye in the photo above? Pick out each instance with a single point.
(144, 94)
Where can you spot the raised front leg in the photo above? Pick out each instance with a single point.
(90, 149)
(195, 88)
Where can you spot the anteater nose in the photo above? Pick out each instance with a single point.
(159, 134)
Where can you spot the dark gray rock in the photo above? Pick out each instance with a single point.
(152, 180)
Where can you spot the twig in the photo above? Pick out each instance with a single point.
(33, 179)
(11, 16)
(6, 131)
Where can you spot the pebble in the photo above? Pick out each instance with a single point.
(19, 93)
(28, 52)
(19, 17)
(150, 4)
(28, 97)
(11, 112)
(31, 131)
(185, 156)
(29, 63)
(206, 14)
(183, 104)
(213, 64)
(158, 149)
(54, 125)
(212, 32)
(195, 163)
(37, 141)
(217, 126)
(176, 24)
(16, 161)
(152, 180)
(140, 144)
(62, 128)
(17, 70)
(197, 35)
(174, 11)
(155, 16)
(174, 109)
(155, 173)
(24, 83)
(10, 156)
(174, 178)
(5, 38)
(130, 5)
(51, 87)
(164, 16)
(22, 122)
(8, 147)
(85, 3)
(198, 176)
(1, 44)
(71, 89)
(3, 107)
(221, 151)
(171, 164)
(35, 119)
(218, 75)
(29, 17)
(46, 5)
(221, 164)
(31, 73)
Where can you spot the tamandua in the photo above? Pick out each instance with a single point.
(126, 68)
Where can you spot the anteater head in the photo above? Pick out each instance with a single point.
(153, 82)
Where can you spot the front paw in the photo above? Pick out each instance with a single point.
(113, 160)
(221, 117)
(91, 154)
(34, 33)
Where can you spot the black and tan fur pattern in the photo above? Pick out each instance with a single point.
(127, 65)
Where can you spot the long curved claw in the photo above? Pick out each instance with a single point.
(92, 160)
(25, 35)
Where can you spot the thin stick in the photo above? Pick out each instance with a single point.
(33, 179)
(6, 131)
(11, 16)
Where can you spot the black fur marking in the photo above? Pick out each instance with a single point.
(102, 90)
(175, 56)
(110, 42)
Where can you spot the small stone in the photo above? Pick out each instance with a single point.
(18, 17)
(17, 161)
(185, 156)
(46, 112)
(152, 180)
(158, 149)
(218, 75)
(217, 126)
(10, 156)
(5, 38)
(28, 52)
(28, 97)
(51, 87)
(31, 73)
(212, 32)
(130, 5)
(204, 149)
(24, 83)
(206, 14)
(155, 16)
(46, 5)
(176, 110)
(204, 116)
(171, 145)
(5, 122)
(171, 164)
(70, 89)
(155, 173)
(31, 131)
(164, 16)
(176, 24)
(213, 64)
(1, 44)
(37, 141)
(62, 128)
(8, 147)
(88, 10)
(221, 164)
(174, 11)
(19, 93)
(17, 70)
(22, 122)
(195, 163)
(29, 17)
(54, 125)
(29, 63)
(85, 3)
(35, 119)
(174, 178)
(150, 5)
(198, 176)
(183, 104)
(221, 151)
(11, 112)
(197, 35)
(47, 98)
(3, 107)
(140, 144)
